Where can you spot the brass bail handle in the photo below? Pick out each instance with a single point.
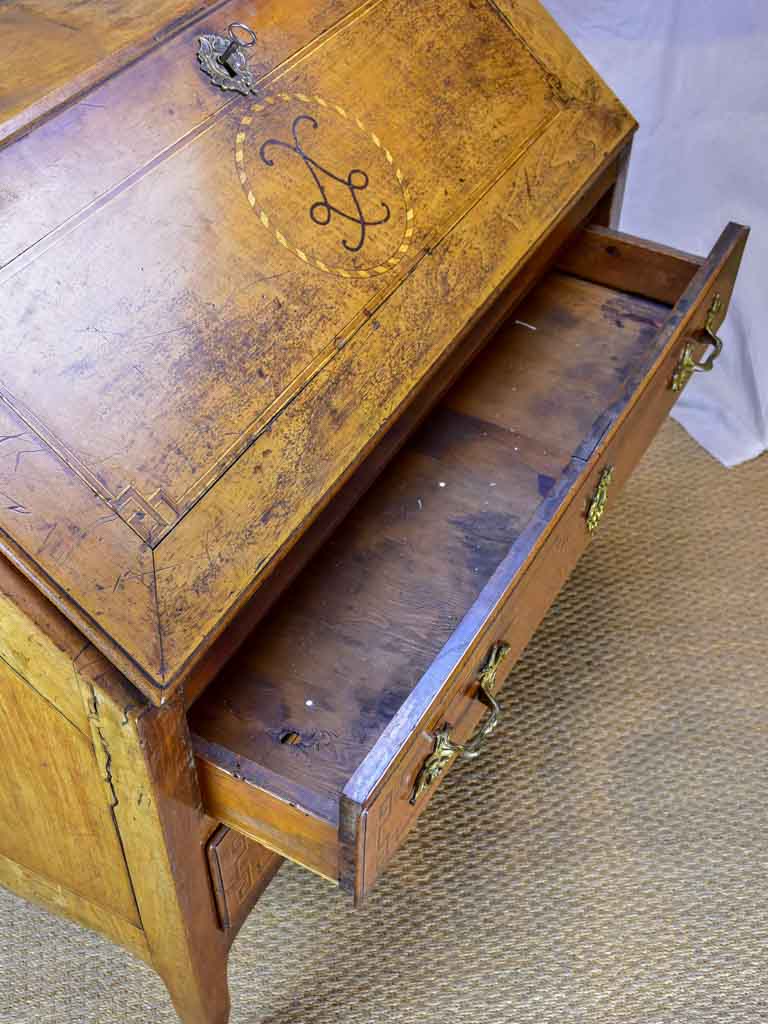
(445, 748)
(599, 502)
(688, 364)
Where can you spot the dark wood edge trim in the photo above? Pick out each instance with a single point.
(56, 100)
(452, 659)
(361, 887)
(620, 188)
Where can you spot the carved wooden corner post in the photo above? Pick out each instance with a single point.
(149, 774)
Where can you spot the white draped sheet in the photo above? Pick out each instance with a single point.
(695, 75)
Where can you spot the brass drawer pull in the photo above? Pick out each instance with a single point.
(445, 747)
(596, 509)
(688, 364)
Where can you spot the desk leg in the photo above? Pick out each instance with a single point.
(150, 773)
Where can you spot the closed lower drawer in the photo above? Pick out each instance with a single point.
(326, 736)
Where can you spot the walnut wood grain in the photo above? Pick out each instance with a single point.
(101, 818)
(55, 821)
(425, 397)
(326, 694)
(629, 264)
(58, 50)
(216, 363)
(61, 900)
(241, 870)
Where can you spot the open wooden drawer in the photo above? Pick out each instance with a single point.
(325, 737)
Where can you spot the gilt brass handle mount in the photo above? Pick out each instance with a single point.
(597, 506)
(446, 748)
(223, 60)
(688, 364)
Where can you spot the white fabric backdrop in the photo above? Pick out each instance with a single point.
(695, 75)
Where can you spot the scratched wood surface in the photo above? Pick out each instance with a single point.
(312, 540)
(55, 819)
(53, 49)
(331, 705)
(368, 615)
(224, 313)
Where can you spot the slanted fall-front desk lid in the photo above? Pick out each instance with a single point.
(214, 302)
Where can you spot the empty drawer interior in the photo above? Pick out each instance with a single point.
(283, 729)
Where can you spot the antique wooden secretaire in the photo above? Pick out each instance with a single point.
(321, 363)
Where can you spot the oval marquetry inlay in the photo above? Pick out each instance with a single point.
(324, 184)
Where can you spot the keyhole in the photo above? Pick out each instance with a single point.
(227, 67)
(233, 47)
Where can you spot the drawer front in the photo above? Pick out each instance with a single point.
(374, 826)
(240, 872)
(460, 709)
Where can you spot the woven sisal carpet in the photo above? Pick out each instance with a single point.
(606, 861)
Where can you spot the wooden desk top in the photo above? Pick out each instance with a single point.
(212, 307)
(56, 50)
